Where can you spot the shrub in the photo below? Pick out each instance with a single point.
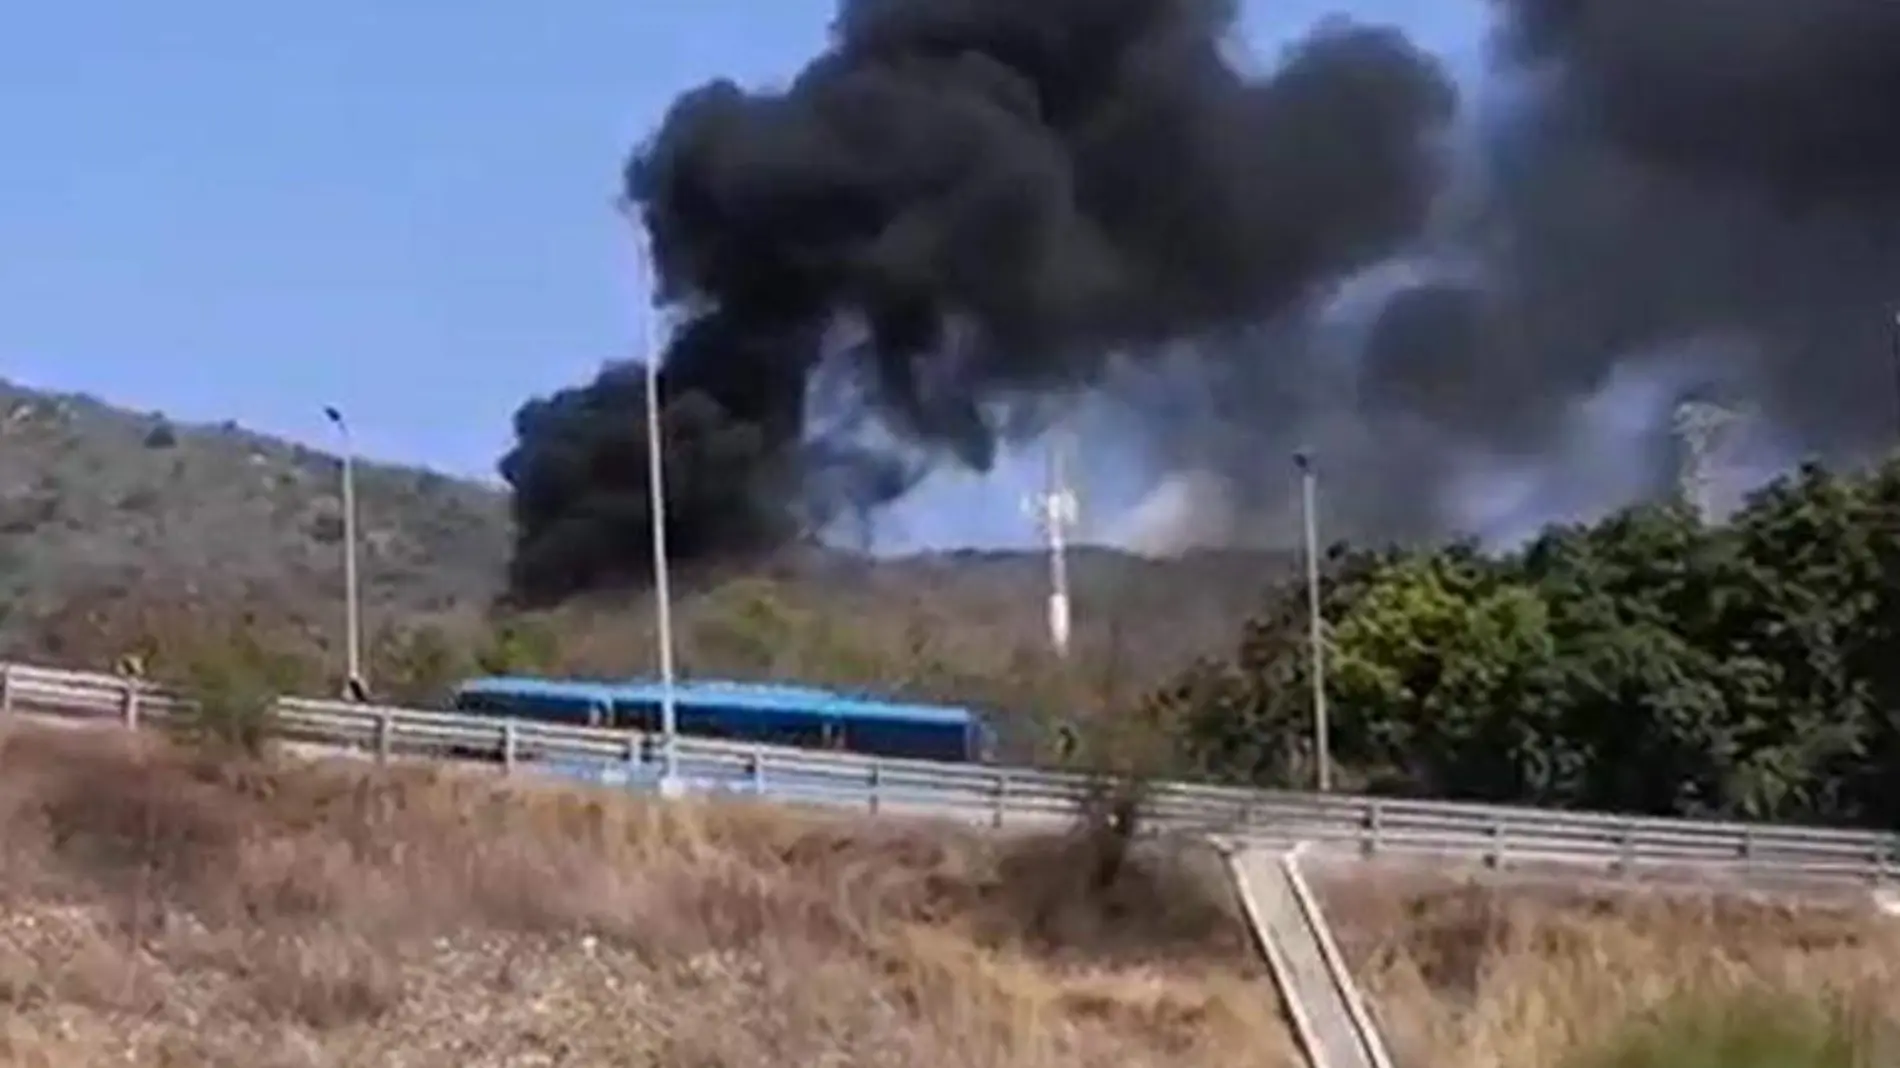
(1755, 1030)
(233, 683)
(416, 666)
(162, 435)
(519, 646)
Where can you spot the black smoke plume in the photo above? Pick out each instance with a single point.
(1690, 171)
(964, 204)
(965, 207)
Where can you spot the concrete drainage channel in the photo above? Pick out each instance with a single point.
(1888, 902)
(1329, 1017)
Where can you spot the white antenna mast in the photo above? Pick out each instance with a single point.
(1056, 511)
(1699, 428)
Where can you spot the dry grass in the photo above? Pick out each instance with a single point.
(157, 911)
(1484, 974)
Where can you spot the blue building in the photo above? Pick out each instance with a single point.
(767, 713)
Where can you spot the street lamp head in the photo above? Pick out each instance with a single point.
(331, 413)
(1303, 459)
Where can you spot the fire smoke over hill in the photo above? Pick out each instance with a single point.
(968, 211)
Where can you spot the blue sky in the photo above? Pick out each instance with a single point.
(229, 210)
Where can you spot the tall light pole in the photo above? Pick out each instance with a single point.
(355, 686)
(1055, 510)
(1316, 639)
(1894, 341)
(669, 785)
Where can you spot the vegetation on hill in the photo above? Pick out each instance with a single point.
(1649, 662)
(123, 532)
(99, 504)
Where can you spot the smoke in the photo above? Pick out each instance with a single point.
(1668, 174)
(967, 211)
(1188, 510)
(1697, 171)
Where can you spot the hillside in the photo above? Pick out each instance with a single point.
(93, 496)
(106, 513)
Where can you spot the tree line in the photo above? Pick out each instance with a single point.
(1649, 662)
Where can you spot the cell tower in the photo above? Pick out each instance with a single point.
(1701, 429)
(1056, 512)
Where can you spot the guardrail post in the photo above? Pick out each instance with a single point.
(6, 690)
(1001, 800)
(385, 735)
(755, 768)
(1494, 857)
(510, 746)
(129, 703)
(1626, 850)
(876, 786)
(1748, 844)
(1371, 827)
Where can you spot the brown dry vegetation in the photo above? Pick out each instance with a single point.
(964, 626)
(899, 628)
(1478, 973)
(158, 909)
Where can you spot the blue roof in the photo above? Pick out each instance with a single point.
(751, 696)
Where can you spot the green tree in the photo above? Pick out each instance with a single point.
(1640, 705)
(1873, 783)
(232, 680)
(1648, 662)
(1250, 718)
(1440, 674)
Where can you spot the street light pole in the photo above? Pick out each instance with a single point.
(669, 785)
(1316, 638)
(355, 686)
(1894, 341)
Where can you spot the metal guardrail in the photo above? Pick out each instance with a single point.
(1006, 797)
